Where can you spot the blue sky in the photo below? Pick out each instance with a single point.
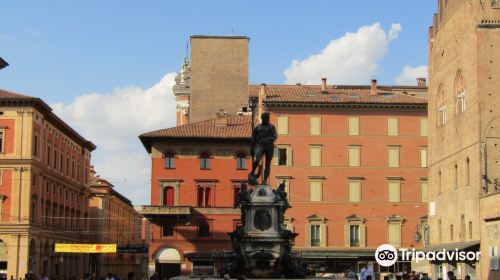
(100, 51)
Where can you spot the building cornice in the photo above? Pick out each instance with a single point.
(366, 106)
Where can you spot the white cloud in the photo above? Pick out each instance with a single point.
(113, 121)
(350, 59)
(409, 75)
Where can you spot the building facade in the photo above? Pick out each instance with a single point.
(464, 125)
(44, 194)
(354, 160)
(196, 170)
(115, 221)
(218, 76)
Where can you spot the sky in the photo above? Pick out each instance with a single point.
(107, 67)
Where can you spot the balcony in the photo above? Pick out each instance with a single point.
(160, 210)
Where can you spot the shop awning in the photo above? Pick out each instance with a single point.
(323, 254)
(462, 246)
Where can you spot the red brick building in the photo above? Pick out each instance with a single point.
(196, 169)
(353, 157)
(355, 162)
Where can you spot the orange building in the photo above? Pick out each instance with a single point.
(44, 194)
(354, 159)
(196, 169)
(115, 221)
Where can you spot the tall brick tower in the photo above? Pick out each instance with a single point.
(464, 135)
(219, 75)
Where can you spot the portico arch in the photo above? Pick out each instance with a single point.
(168, 263)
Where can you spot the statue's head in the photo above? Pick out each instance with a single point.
(265, 117)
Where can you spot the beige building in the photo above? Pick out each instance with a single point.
(115, 221)
(44, 190)
(464, 131)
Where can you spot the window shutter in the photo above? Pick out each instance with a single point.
(315, 189)
(362, 235)
(423, 156)
(315, 155)
(283, 125)
(354, 156)
(323, 230)
(289, 160)
(395, 234)
(315, 125)
(423, 127)
(393, 154)
(275, 156)
(354, 191)
(347, 240)
(394, 191)
(392, 126)
(353, 125)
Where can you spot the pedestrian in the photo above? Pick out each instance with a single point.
(451, 275)
(367, 271)
(154, 276)
(467, 277)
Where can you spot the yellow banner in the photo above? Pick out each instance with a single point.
(85, 248)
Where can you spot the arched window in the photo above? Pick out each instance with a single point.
(169, 160)
(208, 197)
(205, 160)
(241, 161)
(441, 105)
(204, 196)
(460, 92)
(201, 193)
(168, 196)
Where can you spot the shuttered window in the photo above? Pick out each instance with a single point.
(423, 156)
(392, 126)
(394, 186)
(315, 190)
(354, 191)
(315, 155)
(394, 237)
(283, 125)
(354, 155)
(353, 125)
(393, 156)
(315, 125)
(423, 127)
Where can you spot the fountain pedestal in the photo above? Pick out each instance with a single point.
(262, 246)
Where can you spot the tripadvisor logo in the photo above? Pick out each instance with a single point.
(387, 255)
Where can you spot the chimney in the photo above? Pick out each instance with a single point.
(323, 86)
(221, 119)
(260, 103)
(373, 89)
(421, 82)
(263, 90)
